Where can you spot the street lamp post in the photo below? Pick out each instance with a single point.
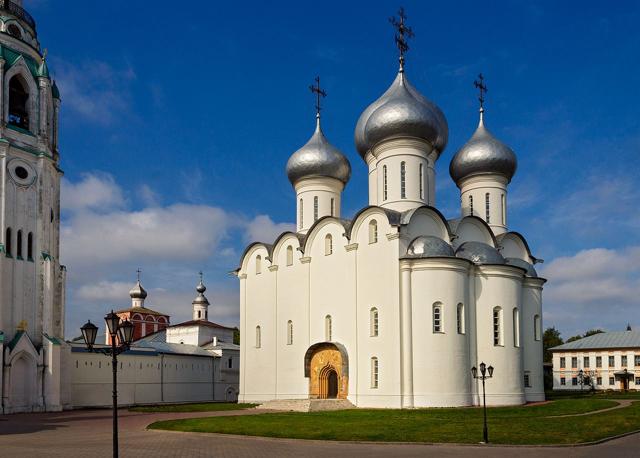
(119, 332)
(485, 373)
(581, 378)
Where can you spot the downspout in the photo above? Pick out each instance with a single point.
(161, 377)
(213, 378)
(2, 375)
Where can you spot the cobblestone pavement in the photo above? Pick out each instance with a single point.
(87, 433)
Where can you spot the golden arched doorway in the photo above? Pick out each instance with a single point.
(327, 371)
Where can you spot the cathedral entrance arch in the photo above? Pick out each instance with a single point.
(326, 364)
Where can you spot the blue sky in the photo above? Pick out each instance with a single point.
(177, 123)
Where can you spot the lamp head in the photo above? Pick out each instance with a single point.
(483, 368)
(125, 332)
(490, 368)
(112, 321)
(89, 333)
(474, 372)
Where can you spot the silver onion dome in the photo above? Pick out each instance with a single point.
(479, 253)
(401, 112)
(531, 271)
(201, 298)
(427, 246)
(483, 153)
(138, 292)
(318, 158)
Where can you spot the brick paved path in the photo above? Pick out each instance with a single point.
(87, 433)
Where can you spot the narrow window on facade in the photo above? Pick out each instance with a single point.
(504, 210)
(315, 208)
(258, 264)
(516, 328)
(585, 361)
(574, 362)
(563, 362)
(258, 337)
(199, 314)
(437, 317)
(374, 372)
(403, 180)
(611, 381)
(612, 361)
(327, 328)
(486, 207)
(598, 361)
(328, 245)
(598, 380)
(537, 327)
(8, 245)
(637, 380)
(636, 360)
(574, 381)
(18, 103)
(460, 318)
(373, 322)
(373, 231)
(230, 363)
(623, 360)
(527, 380)
(301, 210)
(30, 246)
(384, 182)
(563, 381)
(497, 326)
(19, 245)
(289, 255)
(289, 332)
(333, 201)
(421, 181)
(470, 205)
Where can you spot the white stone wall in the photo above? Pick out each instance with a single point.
(478, 187)
(605, 372)
(328, 192)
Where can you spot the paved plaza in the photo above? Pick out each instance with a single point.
(87, 433)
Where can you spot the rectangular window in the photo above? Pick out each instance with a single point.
(563, 362)
(585, 361)
(636, 360)
(611, 381)
(516, 328)
(486, 205)
(563, 381)
(527, 380)
(598, 380)
(637, 380)
(623, 360)
(598, 361)
(574, 362)
(333, 201)
(421, 178)
(230, 363)
(403, 180)
(460, 319)
(315, 208)
(497, 327)
(612, 361)
(301, 210)
(437, 318)
(504, 211)
(574, 381)
(384, 182)
(471, 205)
(374, 372)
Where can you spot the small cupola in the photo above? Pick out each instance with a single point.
(200, 303)
(138, 294)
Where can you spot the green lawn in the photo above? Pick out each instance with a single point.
(202, 407)
(507, 425)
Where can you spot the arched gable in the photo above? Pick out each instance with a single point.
(278, 254)
(385, 219)
(473, 229)
(321, 224)
(320, 345)
(21, 69)
(514, 245)
(426, 220)
(250, 252)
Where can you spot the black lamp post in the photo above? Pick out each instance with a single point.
(581, 378)
(485, 373)
(119, 332)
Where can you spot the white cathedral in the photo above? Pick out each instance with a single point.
(393, 307)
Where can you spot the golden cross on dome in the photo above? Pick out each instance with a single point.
(319, 93)
(403, 33)
(482, 89)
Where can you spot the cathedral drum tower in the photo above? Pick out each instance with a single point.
(32, 281)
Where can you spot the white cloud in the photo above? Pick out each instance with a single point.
(103, 291)
(595, 288)
(95, 191)
(93, 89)
(263, 229)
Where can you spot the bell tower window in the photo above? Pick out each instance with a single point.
(8, 247)
(18, 103)
(403, 180)
(19, 245)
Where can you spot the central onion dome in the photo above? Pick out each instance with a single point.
(483, 154)
(318, 158)
(138, 292)
(401, 112)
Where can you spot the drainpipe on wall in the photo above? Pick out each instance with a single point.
(213, 379)
(2, 369)
(161, 377)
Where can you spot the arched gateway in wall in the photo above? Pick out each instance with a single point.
(326, 364)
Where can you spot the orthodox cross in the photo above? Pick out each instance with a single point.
(200, 273)
(138, 272)
(319, 93)
(403, 33)
(482, 89)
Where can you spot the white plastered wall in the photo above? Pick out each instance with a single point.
(328, 192)
(478, 186)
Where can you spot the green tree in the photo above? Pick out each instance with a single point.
(574, 338)
(236, 336)
(551, 338)
(591, 332)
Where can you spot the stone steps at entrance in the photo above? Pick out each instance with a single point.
(307, 405)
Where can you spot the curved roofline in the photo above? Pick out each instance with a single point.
(300, 237)
(524, 242)
(251, 246)
(310, 233)
(393, 217)
(311, 351)
(407, 215)
(484, 223)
